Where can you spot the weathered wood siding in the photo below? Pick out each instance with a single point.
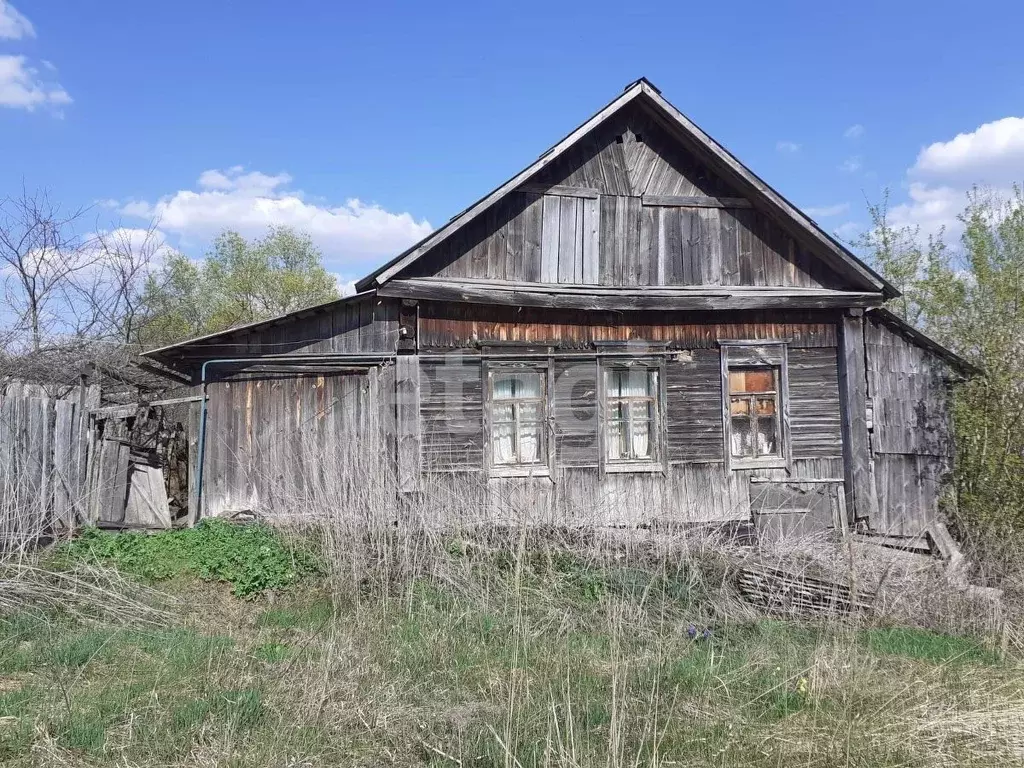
(276, 442)
(443, 326)
(814, 412)
(628, 206)
(911, 439)
(43, 461)
(695, 484)
(357, 325)
(693, 408)
(451, 410)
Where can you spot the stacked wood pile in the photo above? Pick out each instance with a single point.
(780, 591)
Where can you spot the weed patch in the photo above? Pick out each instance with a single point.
(251, 558)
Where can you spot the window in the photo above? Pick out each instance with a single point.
(754, 382)
(518, 419)
(754, 413)
(632, 416)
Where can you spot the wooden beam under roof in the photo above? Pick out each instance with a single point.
(644, 298)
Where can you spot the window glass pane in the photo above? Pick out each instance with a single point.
(504, 452)
(502, 412)
(507, 386)
(632, 382)
(617, 441)
(616, 380)
(767, 440)
(640, 440)
(502, 386)
(617, 410)
(751, 380)
(529, 443)
(530, 411)
(766, 406)
(642, 409)
(742, 440)
(637, 383)
(739, 406)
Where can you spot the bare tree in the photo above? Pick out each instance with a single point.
(127, 258)
(40, 254)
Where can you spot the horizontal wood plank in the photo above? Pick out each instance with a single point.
(694, 201)
(562, 190)
(594, 298)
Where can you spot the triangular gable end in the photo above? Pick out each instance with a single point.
(637, 195)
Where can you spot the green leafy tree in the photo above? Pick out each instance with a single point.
(971, 299)
(240, 281)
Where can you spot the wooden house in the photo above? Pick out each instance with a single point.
(635, 325)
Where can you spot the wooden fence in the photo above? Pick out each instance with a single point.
(65, 461)
(43, 459)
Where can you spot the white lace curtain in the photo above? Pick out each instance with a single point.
(516, 417)
(631, 406)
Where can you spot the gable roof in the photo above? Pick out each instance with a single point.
(837, 256)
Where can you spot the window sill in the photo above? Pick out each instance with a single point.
(532, 471)
(611, 469)
(772, 463)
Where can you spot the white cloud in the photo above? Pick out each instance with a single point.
(854, 132)
(848, 231)
(993, 153)
(930, 208)
(992, 156)
(22, 88)
(852, 164)
(353, 236)
(787, 147)
(13, 25)
(825, 211)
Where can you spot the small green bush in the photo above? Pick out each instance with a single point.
(252, 558)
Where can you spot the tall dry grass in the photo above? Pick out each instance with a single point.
(461, 548)
(467, 627)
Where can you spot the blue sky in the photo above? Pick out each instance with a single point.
(370, 123)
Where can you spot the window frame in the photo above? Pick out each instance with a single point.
(543, 466)
(740, 355)
(656, 462)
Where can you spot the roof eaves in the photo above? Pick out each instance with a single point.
(161, 352)
(922, 339)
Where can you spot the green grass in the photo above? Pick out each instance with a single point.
(554, 664)
(251, 558)
(927, 646)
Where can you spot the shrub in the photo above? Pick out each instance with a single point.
(252, 558)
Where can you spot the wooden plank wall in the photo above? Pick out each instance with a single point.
(446, 326)
(451, 411)
(628, 206)
(278, 442)
(365, 325)
(691, 492)
(695, 485)
(693, 412)
(42, 470)
(911, 439)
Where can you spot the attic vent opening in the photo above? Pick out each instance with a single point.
(618, 139)
(639, 138)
